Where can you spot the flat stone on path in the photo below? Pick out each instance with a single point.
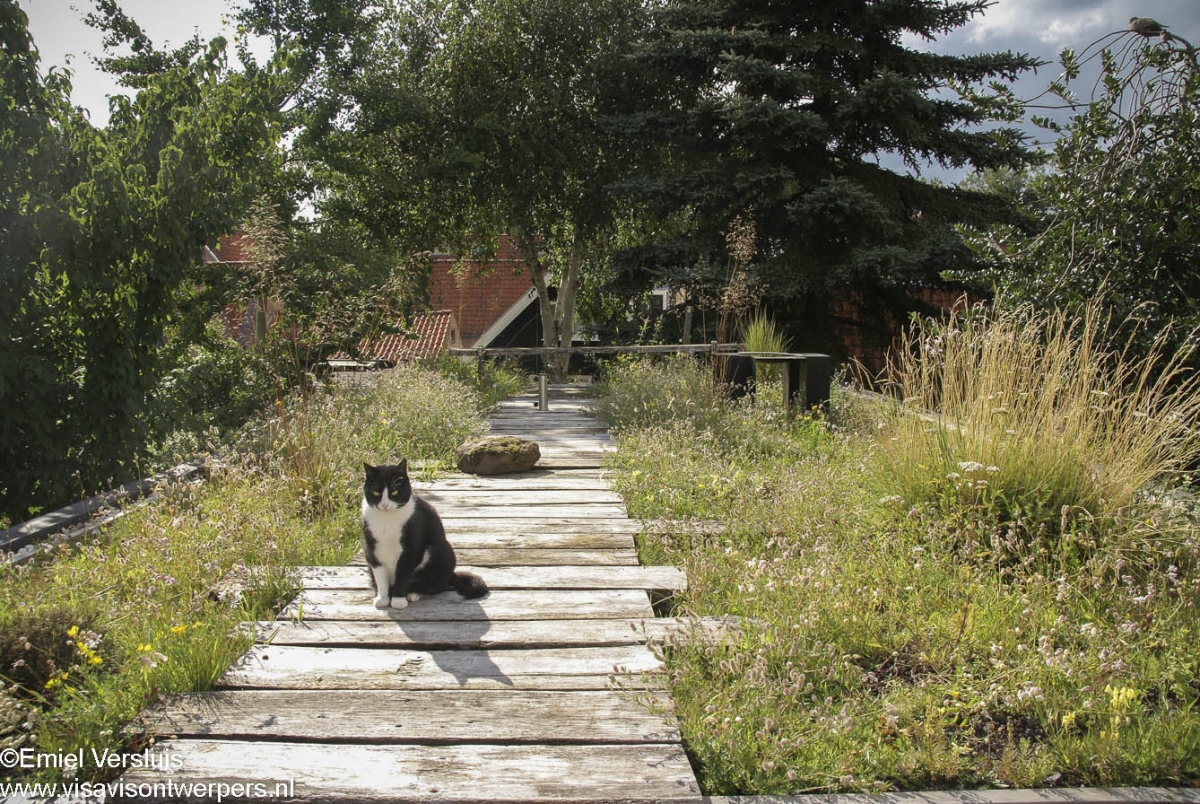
(498, 455)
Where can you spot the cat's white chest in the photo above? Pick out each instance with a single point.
(386, 527)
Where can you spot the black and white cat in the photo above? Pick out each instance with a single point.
(405, 544)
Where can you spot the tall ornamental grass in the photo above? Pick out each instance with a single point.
(1031, 419)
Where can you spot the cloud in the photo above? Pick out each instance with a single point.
(1053, 24)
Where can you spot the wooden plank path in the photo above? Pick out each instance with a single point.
(546, 690)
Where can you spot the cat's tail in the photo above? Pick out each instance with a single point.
(468, 585)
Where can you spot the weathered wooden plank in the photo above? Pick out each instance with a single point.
(561, 526)
(482, 510)
(567, 479)
(546, 431)
(503, 604)
(657, 579)
(597, 461)
(579, 442)
(515, 536)
(448, 499)
(294, 667)
(402, 773)
(506, 634)
(577, 425)
(544, 557)
(546, 419)
(435, 717)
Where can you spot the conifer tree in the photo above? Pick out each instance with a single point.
(790, 113)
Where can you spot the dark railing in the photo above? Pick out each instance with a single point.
(806, 376)
(540, 351)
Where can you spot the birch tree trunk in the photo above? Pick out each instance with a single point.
(558, 315)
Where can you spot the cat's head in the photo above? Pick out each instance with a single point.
(387, 487)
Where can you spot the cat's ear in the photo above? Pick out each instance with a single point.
(403, 467)
(368, 468)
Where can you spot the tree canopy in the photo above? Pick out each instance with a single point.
(1114, 216)
(787, 113)
(469, 121)
(97, 229)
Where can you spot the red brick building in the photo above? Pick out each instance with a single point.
(487, 297)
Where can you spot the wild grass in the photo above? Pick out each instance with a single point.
(890, 637)
(91, 634)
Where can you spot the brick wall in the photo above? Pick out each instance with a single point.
(478, 293)
(866, 328)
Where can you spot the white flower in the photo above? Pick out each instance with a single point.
(970, 466)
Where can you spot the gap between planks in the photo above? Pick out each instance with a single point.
(648, 578)
(505, 634)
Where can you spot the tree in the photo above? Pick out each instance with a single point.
(781, 113)
(472, 121)
(98, 228)
(1115, 214)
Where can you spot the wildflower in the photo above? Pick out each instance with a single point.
(150, 658)
(56, 680)
(1121, 697)
(970, 466)
(73, 631)
(88, 654)
(1030, 690)
(179, 630)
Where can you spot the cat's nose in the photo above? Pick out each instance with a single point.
(385, 504)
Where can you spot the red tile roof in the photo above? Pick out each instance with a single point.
(435, 332)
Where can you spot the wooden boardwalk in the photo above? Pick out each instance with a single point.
(543, 691)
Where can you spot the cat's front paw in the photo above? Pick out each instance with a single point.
(413, 597)
(399, 603)
(382, 602)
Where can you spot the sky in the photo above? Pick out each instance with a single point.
(1038, 27)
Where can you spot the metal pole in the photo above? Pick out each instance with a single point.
(543, 401)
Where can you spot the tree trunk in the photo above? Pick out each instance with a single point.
(558, 316)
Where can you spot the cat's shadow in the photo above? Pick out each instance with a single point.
(451, 630)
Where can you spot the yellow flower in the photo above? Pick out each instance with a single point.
(73, 631)
(179, 630)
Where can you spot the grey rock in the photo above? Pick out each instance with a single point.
(498, 455)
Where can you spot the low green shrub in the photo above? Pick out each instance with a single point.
(491, 380)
